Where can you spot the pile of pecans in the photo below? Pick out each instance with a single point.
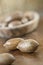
(15, 19)
(27, 45)
(24, 45)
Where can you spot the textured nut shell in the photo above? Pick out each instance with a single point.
(28, 45)
(8, 19)
(12, 43)
(17, 15)
(14, 23)
(5, 21)
(29, 15)
(6, 59)
(24, 20)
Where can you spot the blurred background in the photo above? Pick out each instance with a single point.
(8, 6)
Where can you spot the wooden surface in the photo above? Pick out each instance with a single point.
(34, 58)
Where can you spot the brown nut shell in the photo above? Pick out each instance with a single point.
(17, 15)
(24, 20)
(11, 44)
(6, 59)
(14, 23)
(29, 15)
(28, 45)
